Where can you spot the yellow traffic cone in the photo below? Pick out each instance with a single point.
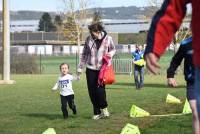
(186, 108)
(49, 131)
(138, 112)
(130, 129)
(172, 99)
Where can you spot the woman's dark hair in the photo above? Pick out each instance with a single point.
(96, 27)
(64, 64)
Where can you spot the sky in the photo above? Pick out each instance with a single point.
(57, 5)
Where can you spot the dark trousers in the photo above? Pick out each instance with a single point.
(70, 100)
(97, 93)
(139, 71)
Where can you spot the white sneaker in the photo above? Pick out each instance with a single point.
(96, 117)
(105, 112)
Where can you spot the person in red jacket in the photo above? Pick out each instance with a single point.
(165, 23)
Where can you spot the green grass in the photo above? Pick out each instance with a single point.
(132, 38)
(50, 64)
(29, 107)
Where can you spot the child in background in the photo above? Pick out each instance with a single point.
(64, 84)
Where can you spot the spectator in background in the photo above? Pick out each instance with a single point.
(138, 61)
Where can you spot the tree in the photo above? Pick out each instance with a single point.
(69, 29)
(97, 17)
(180, 35)
(75, 19)
(58, 22)
(156, 3)
(45, 23)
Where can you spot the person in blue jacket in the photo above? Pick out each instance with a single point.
(138, 61)
(185, 52)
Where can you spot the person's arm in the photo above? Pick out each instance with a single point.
(83, 57)
(164, 24)
(55, 87)
(74, 78)
(175, 62)
(142, 55)
(111, 48)
(133, 55)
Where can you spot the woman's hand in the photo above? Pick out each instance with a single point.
(78, 74)
(108, 55)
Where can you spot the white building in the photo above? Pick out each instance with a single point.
(23, 25)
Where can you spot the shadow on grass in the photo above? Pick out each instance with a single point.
(113, 87)
(124, 84)
(151, 85)
(162, 86)
(88, 117)
(44, 115)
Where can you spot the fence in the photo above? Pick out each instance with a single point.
(122, 66)
(41, 38)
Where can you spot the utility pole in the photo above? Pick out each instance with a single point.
(6, 44)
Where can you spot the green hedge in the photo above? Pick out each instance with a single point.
(22, 64)
(132, 38)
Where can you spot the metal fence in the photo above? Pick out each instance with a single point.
(122, 66)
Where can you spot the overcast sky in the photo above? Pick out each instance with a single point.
(57, 5)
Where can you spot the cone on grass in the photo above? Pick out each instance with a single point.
(49, 131)
(138, 112)
(130, 129)
(186, 108)
(172, 99)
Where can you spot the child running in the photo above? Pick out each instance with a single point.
(64, 84)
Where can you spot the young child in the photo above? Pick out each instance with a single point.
(64, 84)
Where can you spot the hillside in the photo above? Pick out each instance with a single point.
(26, 15)
(131, 12)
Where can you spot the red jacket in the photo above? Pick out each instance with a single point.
(167, 21)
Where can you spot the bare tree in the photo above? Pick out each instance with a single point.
(180, 35)
(75, 14)
(97, 17)
(155, 3)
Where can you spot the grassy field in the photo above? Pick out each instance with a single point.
(50, 64)
(29, 107)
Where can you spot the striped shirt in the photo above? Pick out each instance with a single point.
(91, 56)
